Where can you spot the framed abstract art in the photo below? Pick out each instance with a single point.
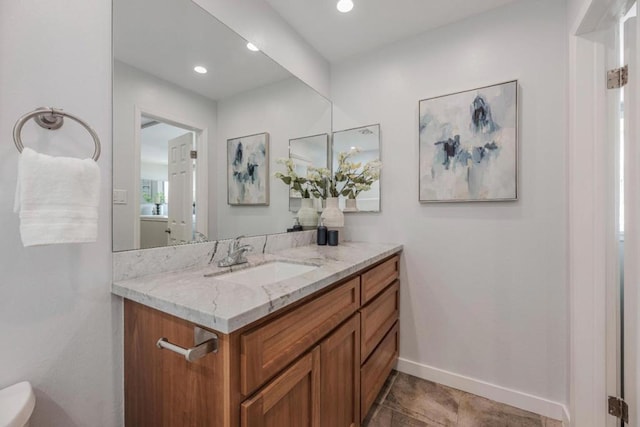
(468, 145)
(248, 170)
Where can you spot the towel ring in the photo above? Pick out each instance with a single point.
(52, 119)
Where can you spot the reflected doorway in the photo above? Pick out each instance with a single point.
(169, 212)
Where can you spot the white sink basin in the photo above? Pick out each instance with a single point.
(266, 274)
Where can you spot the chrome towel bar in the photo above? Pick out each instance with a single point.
(52, 119)
(205, 342)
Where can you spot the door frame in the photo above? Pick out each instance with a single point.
(590, 263)
(202, 165)
(632, 230)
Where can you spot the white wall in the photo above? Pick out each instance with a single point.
(60, 326)
(575, 11)
(256, 21)
(154, 171)
(135, 88)
(286, 110)
(484, 285)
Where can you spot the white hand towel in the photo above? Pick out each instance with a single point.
(57, 199)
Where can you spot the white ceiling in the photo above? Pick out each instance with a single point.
(170, 37)
(372, 23)
(167, 38)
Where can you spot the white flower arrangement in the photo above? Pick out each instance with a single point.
(291, 178)
(356, 178)
(349, 180)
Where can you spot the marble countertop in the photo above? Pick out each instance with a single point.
(225, 306)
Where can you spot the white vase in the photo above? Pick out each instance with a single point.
(307, 215)
(350, 205)
(332, 216)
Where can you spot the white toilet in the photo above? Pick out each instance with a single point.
(16, 405)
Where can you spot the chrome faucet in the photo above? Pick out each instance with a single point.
(236, 254)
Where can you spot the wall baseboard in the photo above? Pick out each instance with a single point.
(566, 418)
(521, 400)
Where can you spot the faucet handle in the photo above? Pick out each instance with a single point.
(234, 245)
(236, 241)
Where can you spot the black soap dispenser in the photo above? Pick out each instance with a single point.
(296, 227)
(322, 233)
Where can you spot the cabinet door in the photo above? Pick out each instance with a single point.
(290, 400)
(271, 347)
(340, 376)
(162, 389)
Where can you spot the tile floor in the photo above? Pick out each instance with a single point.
(407, 401)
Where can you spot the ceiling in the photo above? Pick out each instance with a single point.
(372, 23)
(167, 38)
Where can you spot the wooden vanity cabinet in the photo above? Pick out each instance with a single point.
(380, 341)
(377, 368)
(378, 317)
(163, 389)
(321, 389)
(376, 279)
(292, 399)
(267, 349)
(340, 376)
(304, 367)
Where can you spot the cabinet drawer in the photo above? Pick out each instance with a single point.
(378, 278)
(269, 348)
(376, 370)
(377, 318)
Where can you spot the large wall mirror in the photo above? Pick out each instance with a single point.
(171, 125)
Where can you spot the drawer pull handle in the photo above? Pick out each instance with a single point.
(206, 342)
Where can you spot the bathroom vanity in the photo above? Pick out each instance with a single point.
(313, 349)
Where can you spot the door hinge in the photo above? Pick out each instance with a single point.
(194, 154)
(617, 77)
(619, 408)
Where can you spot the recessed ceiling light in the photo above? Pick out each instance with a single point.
(200, 69)
(252, 47)
(345, 6)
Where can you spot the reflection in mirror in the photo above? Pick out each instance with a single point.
(166, 218)
(309, 151)
(171, 124)
(364, 143)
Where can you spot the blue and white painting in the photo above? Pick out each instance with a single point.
(248, 170)
(468, 145)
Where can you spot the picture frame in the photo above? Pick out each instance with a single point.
(468, 145)
(248, 170)
(368, 140)
(307, 151)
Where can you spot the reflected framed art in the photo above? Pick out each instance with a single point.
(248, 170)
